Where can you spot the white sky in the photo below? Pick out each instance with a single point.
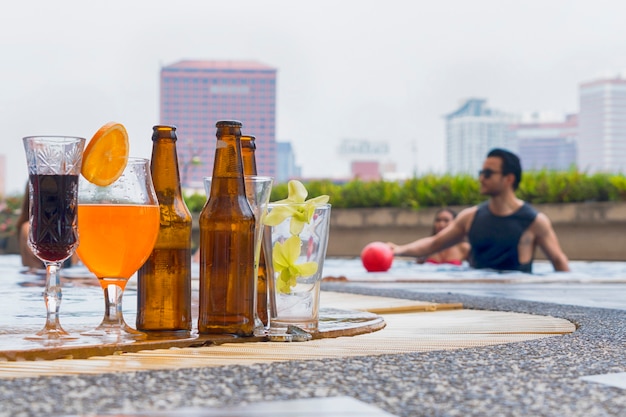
(347, 69)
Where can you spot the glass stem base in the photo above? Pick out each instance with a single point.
(52, 296)
(113, 325)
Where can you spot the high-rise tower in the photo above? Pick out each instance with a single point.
(196, 94)
(471, 131)
(546, 144)
(602, 125)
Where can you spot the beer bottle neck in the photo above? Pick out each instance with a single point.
(248, 147)
(228, 165)
(228, 161)
(249, 161)
(165, 172)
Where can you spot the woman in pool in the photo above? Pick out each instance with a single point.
(28, 257)
(453, 255)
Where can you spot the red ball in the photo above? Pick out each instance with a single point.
(377, 257)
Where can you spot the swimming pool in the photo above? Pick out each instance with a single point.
(588, 284)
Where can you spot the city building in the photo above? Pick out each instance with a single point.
(3, 171)
(546, 144)
(602, 125)
(471, 131)
(368, 159)
(197, 94)
(365, 170)
(286, 168)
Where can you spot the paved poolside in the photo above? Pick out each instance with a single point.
(542, 377)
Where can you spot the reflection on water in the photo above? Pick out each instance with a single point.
(23, 307)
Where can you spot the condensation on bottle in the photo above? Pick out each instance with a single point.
(227, 281)
(164, 281)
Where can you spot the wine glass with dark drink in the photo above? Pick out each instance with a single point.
(54, 164)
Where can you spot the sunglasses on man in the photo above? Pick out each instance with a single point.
(488, 172)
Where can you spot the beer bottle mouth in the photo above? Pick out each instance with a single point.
(228, 123)
(163, 127)
(161, 132)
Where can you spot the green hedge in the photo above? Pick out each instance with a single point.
(538, 187)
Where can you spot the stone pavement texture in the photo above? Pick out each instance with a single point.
(534, 378)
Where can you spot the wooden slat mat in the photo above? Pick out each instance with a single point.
(334, 322)
(381, 305)
(408, 332)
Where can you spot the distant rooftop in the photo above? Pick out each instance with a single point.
(471, 107)
(615, 79)
(218, 65)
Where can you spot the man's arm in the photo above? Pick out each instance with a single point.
(450, 236)
(549, 243)
(419, 248)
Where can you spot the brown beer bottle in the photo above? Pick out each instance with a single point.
(248, 148)
(164, 281)
(227, 281)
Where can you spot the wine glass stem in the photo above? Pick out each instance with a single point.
(52, 295)
(113, 305)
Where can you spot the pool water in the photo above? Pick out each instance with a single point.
(588, 284)
(406, 269)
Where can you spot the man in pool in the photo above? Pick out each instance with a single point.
(503, 231)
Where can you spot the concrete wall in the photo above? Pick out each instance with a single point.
(586, 231)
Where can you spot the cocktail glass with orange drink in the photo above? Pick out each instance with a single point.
(118, 225)
(118, 222)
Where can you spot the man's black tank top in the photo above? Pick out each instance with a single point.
(494, 239)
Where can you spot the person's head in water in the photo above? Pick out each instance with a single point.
(443, 217)
(510, 164)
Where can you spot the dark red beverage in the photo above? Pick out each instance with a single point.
(53, 234)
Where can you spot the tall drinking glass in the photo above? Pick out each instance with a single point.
(297, 250)
(118, 226)
(53, 169)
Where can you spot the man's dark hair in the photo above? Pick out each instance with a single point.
(510, 164)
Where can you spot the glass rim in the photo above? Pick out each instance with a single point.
(290, 203)
(255, 177)
(137, 159)
(55, 138)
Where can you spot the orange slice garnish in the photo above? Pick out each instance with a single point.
(106, 155)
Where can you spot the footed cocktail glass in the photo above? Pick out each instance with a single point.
(118, 225)
(53, 168)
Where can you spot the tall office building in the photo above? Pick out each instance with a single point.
(544, 144)
(286, 168)
(471, 131)
(196, 94)
(602, 124)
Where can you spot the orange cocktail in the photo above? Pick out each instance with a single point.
(115, 240)
(118, 222)
(117, 227)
